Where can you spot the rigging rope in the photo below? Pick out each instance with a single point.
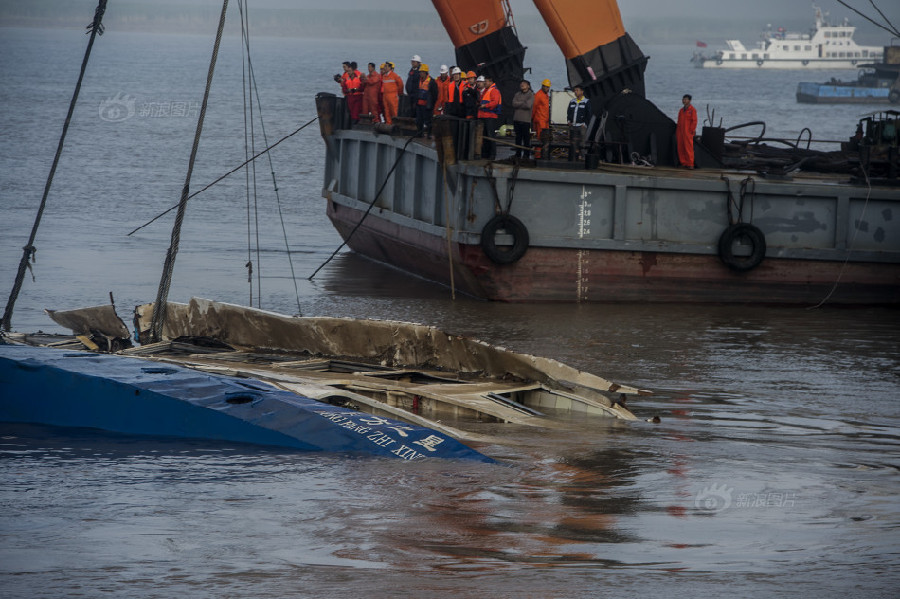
(368, 210)
(226, 175)
(262, 125)
(95, 28)
(159, 307)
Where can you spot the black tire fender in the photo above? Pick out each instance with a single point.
(759, 63)
(513, 226)
(894, 96)
(742, 231)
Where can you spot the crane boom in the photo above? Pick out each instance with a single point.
(600, 55)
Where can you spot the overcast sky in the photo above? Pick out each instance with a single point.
(756, 10)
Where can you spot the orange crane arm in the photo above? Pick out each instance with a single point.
(600, 55)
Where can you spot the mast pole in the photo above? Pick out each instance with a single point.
(94, 29)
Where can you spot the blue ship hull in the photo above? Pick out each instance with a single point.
(128, 395)
(825, 93)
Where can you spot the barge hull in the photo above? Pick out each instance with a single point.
(581, 275)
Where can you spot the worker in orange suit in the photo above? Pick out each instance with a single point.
(443, 83)
(391, 90)
(372, 93)
(685, 131)
(351, 85)
(489, 111)
(540, 113)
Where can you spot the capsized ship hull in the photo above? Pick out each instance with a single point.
(614, 233)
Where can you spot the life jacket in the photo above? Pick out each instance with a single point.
(352, 83)
(424, 97)
(491, 103)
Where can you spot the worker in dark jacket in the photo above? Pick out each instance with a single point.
(426, 96)
(522, 104)
(412, 78)
(471, 97)
(577, 117)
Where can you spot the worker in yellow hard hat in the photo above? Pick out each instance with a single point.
(425, 100)
(540, 115)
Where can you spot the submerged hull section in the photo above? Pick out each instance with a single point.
(615, 233)
(127, 395)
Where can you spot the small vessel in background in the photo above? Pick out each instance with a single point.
(878, 82)
(825, 46)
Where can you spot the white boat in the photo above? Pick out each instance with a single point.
(825, 46)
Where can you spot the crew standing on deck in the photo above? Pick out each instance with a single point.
(454, 104)
(471, 96)
(412, 78)
(523, 102)
(351, 85)
(685, 131)
(426, 96)
(372, 93)
(489, 113)
(443, 81)
(391, 90)
(577, 116)
(540, 115)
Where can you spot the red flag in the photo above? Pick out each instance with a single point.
(701, 44)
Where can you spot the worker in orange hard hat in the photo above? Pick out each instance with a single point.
(540, 114)
(391, 90)
(425, 99)
(471, 96)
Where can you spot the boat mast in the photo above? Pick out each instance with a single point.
(94, 29)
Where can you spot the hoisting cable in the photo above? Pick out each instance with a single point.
(249, 264)
(159, 307)
(94, 29)
(859, 221)
(229, 173)
(368, 210)
(262, 125)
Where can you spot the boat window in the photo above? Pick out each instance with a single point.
(755, 56)
(807, 48)
(744, 56)
(796, 47)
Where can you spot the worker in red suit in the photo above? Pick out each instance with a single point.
(685, 131)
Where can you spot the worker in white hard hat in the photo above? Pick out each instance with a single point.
(443, 81)
(412, 78)
(454, 104)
